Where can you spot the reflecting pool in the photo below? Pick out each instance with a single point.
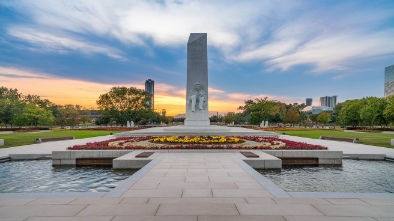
(359, 176)
(41, 176)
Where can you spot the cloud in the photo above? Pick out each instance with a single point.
(280, 35)
(61, 44)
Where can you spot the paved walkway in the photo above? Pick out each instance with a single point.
(48, 147)
(196, 186)
(346, 147)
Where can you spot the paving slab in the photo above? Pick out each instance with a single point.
(40, 210)
(277, 209)
(92, 201)
(379, 201)
(240, 193)
(197, 193)
(347, 201)
(252, 185)
(384, 219)
(51, 201)
(240, 218)
(258, 200)
(120, 210)
(356, 210)
(206, 185)
(195, 200)
(73, 218)
(14, 202)
(301, 201)
(197, 209)
(12, 219)
(132, 200)
(155, 218)
(154, 193)
(326, 218)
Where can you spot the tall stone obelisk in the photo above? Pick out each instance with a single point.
(197, 81)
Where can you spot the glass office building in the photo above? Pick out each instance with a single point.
(389, 81)
(150, 88)
(308, 102)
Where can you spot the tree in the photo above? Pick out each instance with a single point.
(35, 99)
(123, 98)
(230, 117)
(349, 113)
(10, 105)
(292, 116)
(372, 112)
(388, 112)
(33, 115)
(122, 104)
(258, 109)
(323, 117)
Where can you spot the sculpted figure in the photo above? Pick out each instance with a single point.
(197, 97)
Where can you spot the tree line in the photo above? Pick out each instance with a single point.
(368, 111)
(116, 107)
(20, 110)
(122, 104)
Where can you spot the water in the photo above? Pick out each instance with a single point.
(40, 176)
(359, 176)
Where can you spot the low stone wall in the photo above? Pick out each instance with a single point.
(68, 157)
(129, 161)
(264, 161)
(324, 156)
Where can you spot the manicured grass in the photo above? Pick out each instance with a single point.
(19, 139)
(376, 139)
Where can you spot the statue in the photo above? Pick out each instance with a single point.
(197, 97)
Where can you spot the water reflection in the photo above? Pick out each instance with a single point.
(40, 176)
(360, 176)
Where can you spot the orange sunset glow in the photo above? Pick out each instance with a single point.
(72, 91)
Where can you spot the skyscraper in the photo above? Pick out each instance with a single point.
(389, 81)
(328, 101)
(150, 88)
(308, 102)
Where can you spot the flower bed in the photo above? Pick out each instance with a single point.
(110, 128)
(196, 140)
(251, 142)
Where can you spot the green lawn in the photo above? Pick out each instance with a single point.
(376, 139)
(18, 139)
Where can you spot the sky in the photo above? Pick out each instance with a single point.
(70, 51)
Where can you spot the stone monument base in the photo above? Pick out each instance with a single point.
(197, 122)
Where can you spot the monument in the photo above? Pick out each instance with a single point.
(197, 81)
(197, 100)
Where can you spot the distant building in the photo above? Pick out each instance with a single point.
(308, 102)
(328, 101)
(389, 81)
(150, 88)
(317, 109)
(163, 112)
